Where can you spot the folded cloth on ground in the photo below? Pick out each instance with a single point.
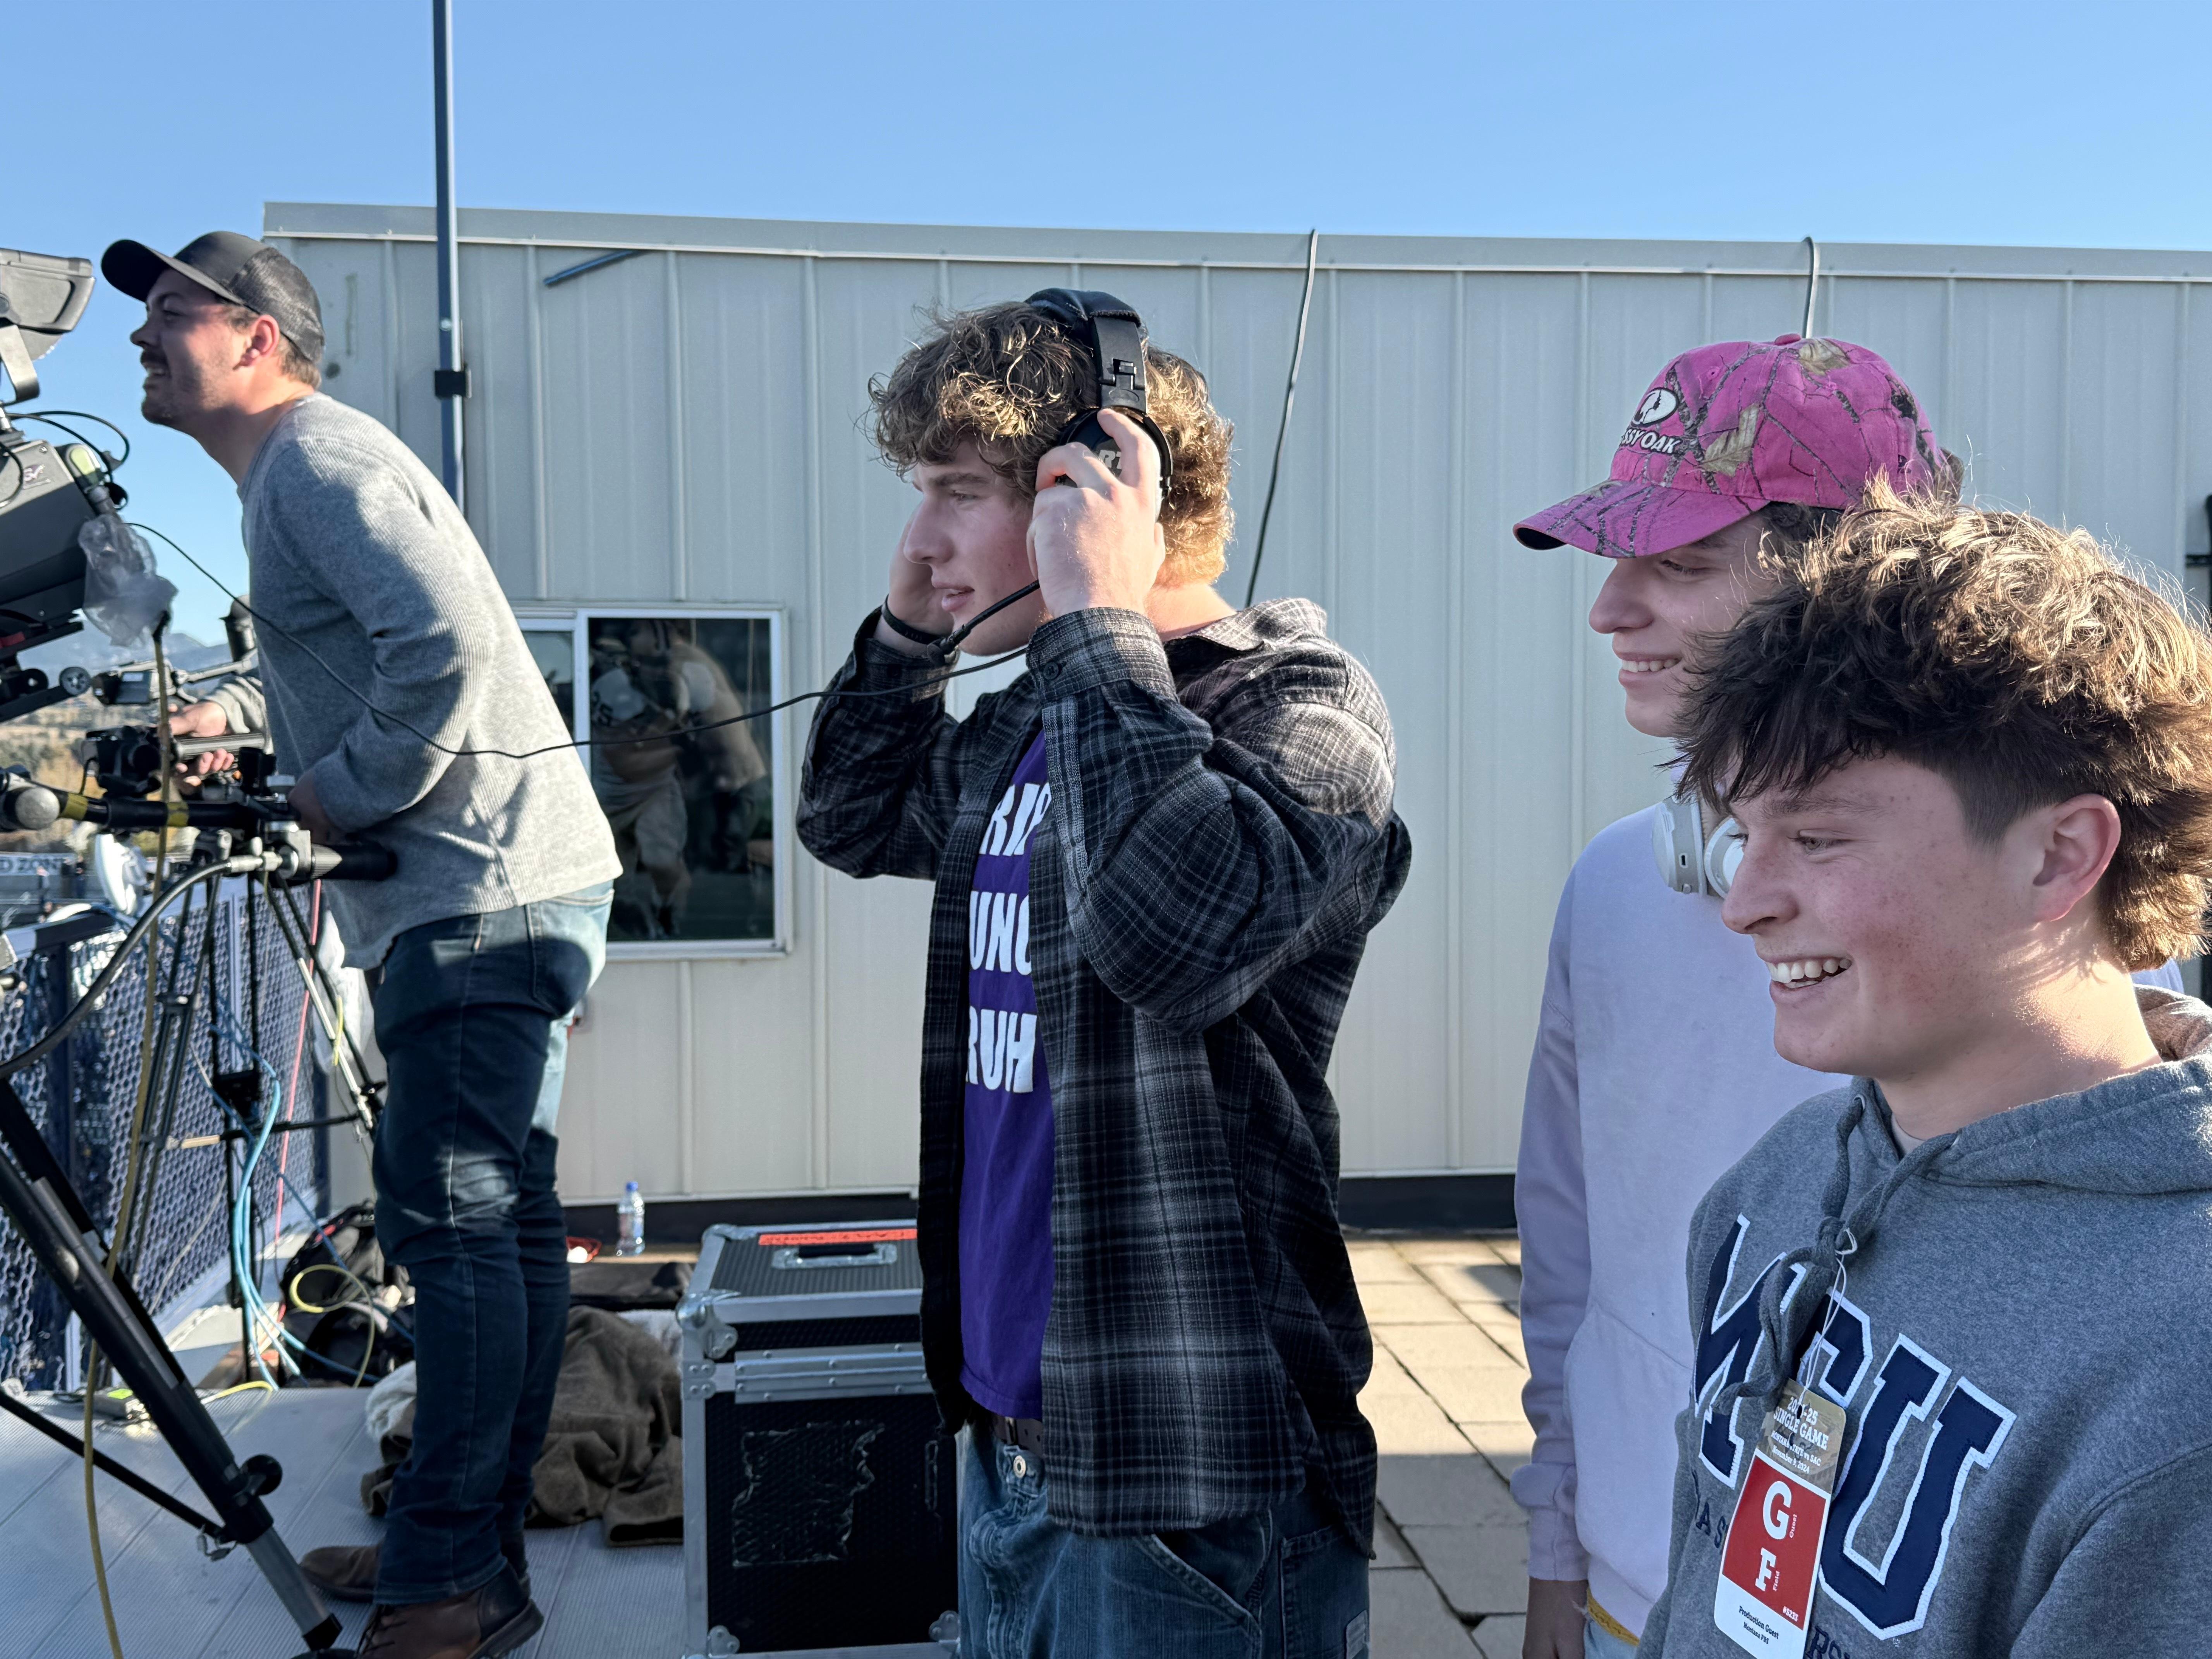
(619, 1284)
(661, 1325)
(612, 1449)
(392, 1396)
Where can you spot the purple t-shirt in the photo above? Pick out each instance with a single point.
(1006, 1188)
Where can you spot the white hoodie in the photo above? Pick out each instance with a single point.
(1655, 1070)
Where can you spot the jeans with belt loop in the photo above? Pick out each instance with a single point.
(1288, 1585)
(472, 1014)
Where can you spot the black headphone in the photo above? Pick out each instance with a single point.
(1116, 336)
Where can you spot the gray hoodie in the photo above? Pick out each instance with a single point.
(2022, 1338)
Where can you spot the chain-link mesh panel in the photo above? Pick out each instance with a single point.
(227, 1050)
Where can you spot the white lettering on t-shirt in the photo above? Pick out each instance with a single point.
(1002, 1050)
(1036, 797)
(999, 932)
(994, 833)
(1021, 1050)
(999, 953)
(991, 1048)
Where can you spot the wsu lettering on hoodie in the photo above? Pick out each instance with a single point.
(2017, 1319)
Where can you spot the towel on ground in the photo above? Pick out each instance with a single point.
(612, 1449)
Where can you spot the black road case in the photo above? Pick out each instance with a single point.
(820, 1493)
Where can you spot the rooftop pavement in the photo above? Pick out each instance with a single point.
(1451, 1567)
(1446, 1400)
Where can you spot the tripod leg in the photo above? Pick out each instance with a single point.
(21, 1136)
(74, 1263)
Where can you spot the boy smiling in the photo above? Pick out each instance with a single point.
(1972, 762)
(1653, 1069)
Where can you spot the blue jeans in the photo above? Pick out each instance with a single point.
(1599, 1643)
(1288, 1585)
(470, 1014)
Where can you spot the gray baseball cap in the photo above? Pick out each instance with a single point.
(234, 267)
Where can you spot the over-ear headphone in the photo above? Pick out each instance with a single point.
(1116, 336)
(1690, 860)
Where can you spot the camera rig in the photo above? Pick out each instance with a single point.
(244, 821)
(48, 492)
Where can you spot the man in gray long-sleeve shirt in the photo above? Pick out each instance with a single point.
(387, 647)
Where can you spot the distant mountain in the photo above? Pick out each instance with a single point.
(91, 650)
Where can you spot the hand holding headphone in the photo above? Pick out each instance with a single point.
(1098, 544)
(1116, 336)
(1690, 859)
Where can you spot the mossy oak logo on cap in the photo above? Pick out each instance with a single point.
(1659, 404)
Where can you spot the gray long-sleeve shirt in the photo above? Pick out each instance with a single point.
(359, 557)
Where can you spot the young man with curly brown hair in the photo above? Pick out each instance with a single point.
(1157, 855)
(1949, 1317)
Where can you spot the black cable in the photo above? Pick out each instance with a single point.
(1290, 394)
(69, 1022)
(936, 666)
(47, 415)
(944, 645)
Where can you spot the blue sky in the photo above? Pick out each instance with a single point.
(2024, 123)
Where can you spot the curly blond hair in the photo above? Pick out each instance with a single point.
(1009, 378)
(2018, 661)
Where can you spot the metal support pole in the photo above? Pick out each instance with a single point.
(451, 380)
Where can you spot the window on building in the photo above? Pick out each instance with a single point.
(686, 780)
(556, 657)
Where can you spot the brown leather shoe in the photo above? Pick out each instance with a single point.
(495, 1619)
(347, 1572)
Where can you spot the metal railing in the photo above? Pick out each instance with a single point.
(229, 1045)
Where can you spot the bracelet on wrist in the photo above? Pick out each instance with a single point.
(906, 630)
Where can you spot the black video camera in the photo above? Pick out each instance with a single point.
(246, 810)
(46, 492)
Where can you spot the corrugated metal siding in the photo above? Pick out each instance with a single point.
(684, 426)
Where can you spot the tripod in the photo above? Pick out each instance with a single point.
(52, 1220)
(37, 1197)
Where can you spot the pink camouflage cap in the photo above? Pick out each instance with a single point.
(1727, 429)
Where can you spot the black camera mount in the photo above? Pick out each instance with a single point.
(251, 811)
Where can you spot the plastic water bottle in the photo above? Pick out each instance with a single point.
(630, 1222)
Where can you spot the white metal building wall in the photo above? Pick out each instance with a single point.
(683, 427)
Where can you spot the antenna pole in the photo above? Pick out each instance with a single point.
(451, 382)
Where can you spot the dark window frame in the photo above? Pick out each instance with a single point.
(576, 621)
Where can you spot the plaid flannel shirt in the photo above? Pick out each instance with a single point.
(1220, 843)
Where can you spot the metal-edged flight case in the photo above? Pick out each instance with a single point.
(820, 1491)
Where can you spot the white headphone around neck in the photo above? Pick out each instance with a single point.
(1690, 859)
